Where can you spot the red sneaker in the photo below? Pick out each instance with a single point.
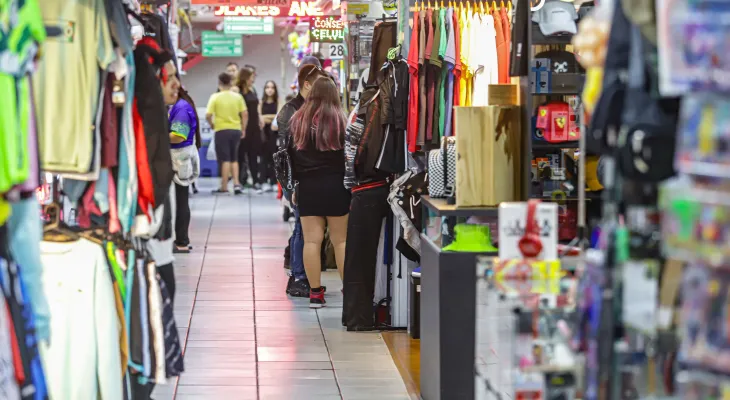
(316, 299)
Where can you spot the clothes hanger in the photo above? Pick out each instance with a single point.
(494, 5)
(56, 230)
(509, 6)
(442, 4)
(501, 4)
(481, 7)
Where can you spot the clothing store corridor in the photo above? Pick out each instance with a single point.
(244, 337)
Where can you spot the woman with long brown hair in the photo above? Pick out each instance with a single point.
(251, 145)
(318, 163)
(268, 109)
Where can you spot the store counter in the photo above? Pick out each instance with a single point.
(448, 299)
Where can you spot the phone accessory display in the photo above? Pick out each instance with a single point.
(704, 136)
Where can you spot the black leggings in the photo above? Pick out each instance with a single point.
(268, 175)
(182, 215)
(248, 154)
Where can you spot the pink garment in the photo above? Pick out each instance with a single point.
(87, 206)
(114, 224)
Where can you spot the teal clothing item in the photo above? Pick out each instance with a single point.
(25, 235)
(441, 98)
(127, 170)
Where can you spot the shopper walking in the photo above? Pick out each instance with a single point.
(250, 150)
(228, 117)
(184, 128)
(268, 108)
(318, 158)
(297, 285)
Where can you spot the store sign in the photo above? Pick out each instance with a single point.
(216, 44)
(358, 8)
(326, 29)
(248, 25)
(278, 3)
(335, 51)
(296, 9)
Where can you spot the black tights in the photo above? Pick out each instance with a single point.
(182, 215)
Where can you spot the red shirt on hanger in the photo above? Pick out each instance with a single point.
(412, 131)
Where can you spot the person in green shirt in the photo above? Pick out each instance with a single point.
(227, 116)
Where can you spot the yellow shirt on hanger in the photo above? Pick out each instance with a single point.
(465, 73)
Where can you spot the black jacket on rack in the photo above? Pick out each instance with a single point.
(153, 112)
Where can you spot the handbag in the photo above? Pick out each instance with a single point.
(210, 153)
(283, 166)
(442, 169)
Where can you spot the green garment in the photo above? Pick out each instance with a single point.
(441, 97)
(20, 35)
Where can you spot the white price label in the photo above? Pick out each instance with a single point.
(336, 51)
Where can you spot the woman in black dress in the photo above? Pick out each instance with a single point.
(318, 163)
(251, 145)
(269, 109)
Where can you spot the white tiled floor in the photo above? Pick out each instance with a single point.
(245, 338)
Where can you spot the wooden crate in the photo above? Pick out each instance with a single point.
(489, 163)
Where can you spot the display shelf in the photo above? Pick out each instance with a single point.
(442, 208)
(590, 195)
(539, 39)
(563, 84)
(542, 145)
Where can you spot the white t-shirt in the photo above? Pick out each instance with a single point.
(485, 65)
(82, 359)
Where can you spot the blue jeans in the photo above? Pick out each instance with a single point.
(296, 249)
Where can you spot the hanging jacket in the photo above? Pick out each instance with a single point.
(363, 149)
(148, 59)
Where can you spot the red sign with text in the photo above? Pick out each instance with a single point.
(295, 9)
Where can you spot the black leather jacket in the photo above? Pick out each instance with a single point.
(284, 117)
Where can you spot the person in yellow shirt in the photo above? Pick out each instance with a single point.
(227, 116)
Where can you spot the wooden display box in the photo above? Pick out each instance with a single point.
(489, 165)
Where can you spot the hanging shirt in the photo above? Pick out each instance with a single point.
(485, 68)
(422, 93)
(83, 358)
(22, 30)
(67, 98)
(457, 57)
(465, 52)
(449, 62)
(502, 48)
(413, 96)
(445, 71)
(507, 28)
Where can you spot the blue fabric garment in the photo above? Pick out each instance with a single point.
(449, 99)
(182, 123)
(296, 249)
(34, 387)
(25, 234)
(127, 171)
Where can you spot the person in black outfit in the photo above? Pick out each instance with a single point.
(318, 163)
(269, 108)
(251, 145)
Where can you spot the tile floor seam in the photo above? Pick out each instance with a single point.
(197, 286)
(253, 295)
(329, 355)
